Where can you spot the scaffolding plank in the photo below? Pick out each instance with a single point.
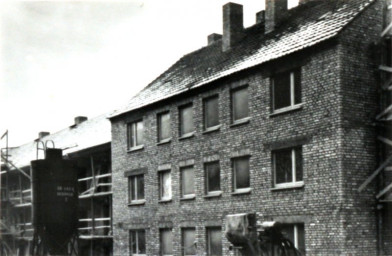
(385, 190)
(385, 68)
(383, 113)
(387, 84)
(386, 30)
(96, 194)
(375, 173)
(25, 174)
(385, 140)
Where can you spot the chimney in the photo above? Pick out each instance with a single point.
(213, 38)
(80, 119)
(260, 17)
(233, 25)
(275, 10)
(43, 134)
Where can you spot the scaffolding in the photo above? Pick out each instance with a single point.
(383, 174)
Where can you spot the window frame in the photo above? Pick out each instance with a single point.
(296, 234)
(132, 143)
(208, 239)
(183, 230)
(181, 122)
(161, 230)
(159, 127)
(205, 115)
(134, 186)
(235, 189)
(207, 191)
(160, 175)
(232, 106)
(292, 77)
(187, 196)
(137, 231)
(294, 182)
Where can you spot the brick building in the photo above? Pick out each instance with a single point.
(277, 119)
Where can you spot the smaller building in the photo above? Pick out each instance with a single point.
(88, 143)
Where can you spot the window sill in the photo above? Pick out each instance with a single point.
(137, 202)
(240, 121)
(213, 194)
(242, 191)
(288, 186)
(188, 197)
(140, 147)
(286, 109)
(165, 141)
(187, 136)
(212, 129)
(165, 200)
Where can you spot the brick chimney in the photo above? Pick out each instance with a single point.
(233, 25)
(43, 134)
(275, 10)
(260, 17)
(80, 119)
(213, 38)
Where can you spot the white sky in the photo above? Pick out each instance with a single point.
(59, 60)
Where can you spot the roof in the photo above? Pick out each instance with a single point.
(305, 25)
(88, 134)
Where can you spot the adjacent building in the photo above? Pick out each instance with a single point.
(277, 118)
(88, 143)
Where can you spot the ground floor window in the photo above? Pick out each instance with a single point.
(188, 241)
(166, 240)
(137, 242)
(214, 241)
(296, 234)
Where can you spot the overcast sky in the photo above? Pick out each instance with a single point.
(59, 60)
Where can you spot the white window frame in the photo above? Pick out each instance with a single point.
(161, 197)
(187, 196)
(132, 135)
(235, 189)
(294, 182)
(292, 105)
(181, 122)
(160, 240)
(183, 242)
(205, 100)
(233, 109)
(213, 192)
(295, 235)
(134, 187)
(160, 140)
(136, 231)
(208, 247)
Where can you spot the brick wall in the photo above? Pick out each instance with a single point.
(338, 153)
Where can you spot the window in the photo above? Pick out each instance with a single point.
(164, 127)
(135, 134)
(186, 120)
(211, 112)
(286, 90)
(241, 180)
(287, 165)
(165, 188)
(296, 234)
(212, 176)
(137, 242)
(188, 241)
(166, 240)
(187, 182)
(136, 188)
(240, 104)
(214, 241)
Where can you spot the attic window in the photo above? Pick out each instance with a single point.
(286, 90)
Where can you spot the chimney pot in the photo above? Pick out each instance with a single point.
(80, 119)
(213, 38)
(43, 134)
(275, 10)
(233, 25)
(260, 17)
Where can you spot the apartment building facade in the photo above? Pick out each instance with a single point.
(275, 119)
